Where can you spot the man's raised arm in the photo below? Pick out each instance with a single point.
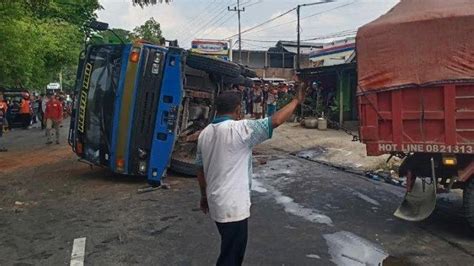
(202, 186)
(285, 113)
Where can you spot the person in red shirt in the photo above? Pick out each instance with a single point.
(54, 116)
(25, 110)
(3, 115)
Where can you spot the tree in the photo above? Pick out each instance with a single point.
(40, 38)
(150, 31)
(125, 35)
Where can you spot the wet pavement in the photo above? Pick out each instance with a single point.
(303, 213)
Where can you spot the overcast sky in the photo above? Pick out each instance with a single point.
(186, 20)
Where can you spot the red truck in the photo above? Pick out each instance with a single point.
(416, 98)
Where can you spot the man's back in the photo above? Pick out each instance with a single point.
(225, 149)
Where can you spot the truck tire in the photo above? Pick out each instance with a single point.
(247, 72)
(184, 167)
(213, 65)
(241, 80)
(468, 202)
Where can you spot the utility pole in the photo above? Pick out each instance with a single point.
(238, 10)
(298, 49)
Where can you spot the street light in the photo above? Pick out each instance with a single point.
(298, 53)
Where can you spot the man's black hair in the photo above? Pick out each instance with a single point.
(228, 101)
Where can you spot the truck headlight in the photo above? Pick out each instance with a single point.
(142, 154)
(142, 166)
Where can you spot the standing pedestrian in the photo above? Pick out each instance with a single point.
(265, 90)
(225, 169)
(271, 102)
(257, 102)
(53, 115)
(36, 108)
(25, 111)
(3, 114)
(44, 102)
(250, 100)
(41, 110)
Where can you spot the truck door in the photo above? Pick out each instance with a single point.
(93, 123)
(166, 120)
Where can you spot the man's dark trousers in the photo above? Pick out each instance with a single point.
(233, 242)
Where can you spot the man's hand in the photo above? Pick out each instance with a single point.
(284, 113)
(301, 93)
(204, 205)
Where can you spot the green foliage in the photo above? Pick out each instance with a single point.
(150, 31)
(149, 2)
(125, 35)
(40, 38)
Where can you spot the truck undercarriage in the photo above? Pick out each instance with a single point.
(203, 82)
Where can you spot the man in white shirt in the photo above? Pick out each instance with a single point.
(224, 155)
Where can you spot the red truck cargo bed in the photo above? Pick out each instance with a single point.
(433, 119)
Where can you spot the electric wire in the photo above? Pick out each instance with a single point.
(263, 23)
(215, 18)
(205, 18)
(293, 21)
(189, 23)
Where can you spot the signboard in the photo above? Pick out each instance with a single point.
(217, 48)
(334, 53)
(53, 86)
(421, 147)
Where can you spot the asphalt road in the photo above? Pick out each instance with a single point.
(303, 213)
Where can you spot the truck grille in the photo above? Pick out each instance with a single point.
(146, 105)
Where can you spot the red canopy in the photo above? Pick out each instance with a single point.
(415, 43)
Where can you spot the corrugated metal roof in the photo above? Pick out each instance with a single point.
(305, 47)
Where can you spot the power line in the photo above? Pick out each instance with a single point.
(254, 45)
(312, 15)
(212, 20)
(336, 35)
(216, 27)
(191, 21)
(266, 41)
(320, 37)
(264, 23)
(238, 10)
(203, 19)
(256, 3)
(328, 10)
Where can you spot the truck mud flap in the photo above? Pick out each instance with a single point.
(419, 203)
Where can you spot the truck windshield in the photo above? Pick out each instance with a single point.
(102, 72)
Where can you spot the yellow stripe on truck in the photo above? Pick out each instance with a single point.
(126, 110)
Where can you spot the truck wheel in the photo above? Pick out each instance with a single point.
(213, 65)
(184, 167)
(247, 72)
(241, 80)
(468, 202)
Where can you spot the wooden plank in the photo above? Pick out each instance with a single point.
(450, 114)
(397, 124)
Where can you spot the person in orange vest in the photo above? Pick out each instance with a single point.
(54, 116)
(3, 114)
(25, 111)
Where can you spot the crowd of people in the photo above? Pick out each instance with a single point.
(46, 109)
(263, 100)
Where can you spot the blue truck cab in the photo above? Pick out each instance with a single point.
(126, 107)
